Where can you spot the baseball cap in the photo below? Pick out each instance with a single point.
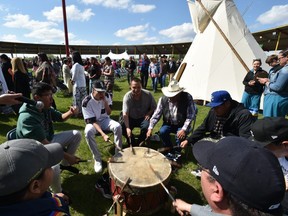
(269, 130)
(99, 86)
(21, 160)
(218, 98)
(245, 169)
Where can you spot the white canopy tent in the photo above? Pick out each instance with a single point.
(123, 55)
(210, 63)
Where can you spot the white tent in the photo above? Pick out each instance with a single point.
(123, 55)
(210, 63)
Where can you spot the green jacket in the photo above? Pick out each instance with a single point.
(34, 124)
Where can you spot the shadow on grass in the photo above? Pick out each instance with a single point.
(85, 198)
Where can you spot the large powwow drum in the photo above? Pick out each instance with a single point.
(145, 168)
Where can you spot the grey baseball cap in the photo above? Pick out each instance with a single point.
(21, 160)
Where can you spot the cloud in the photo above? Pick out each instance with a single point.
(134, 33)
(278, 14)
(24, 21)
(141, 8)
(45, 35)
(179, 33)
(120, 4)
(73, 13)
(9, 37)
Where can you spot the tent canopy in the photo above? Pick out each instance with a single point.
(123, 55)
(211, 64)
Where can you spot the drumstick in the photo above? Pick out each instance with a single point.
(132, 149)
(121, 189)
(115, 145)
(144, 141)
(159, 178)
(83, 160)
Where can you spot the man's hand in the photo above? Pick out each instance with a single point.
(181, 206)
(74, 110)
(105, 137)
(147, 117)
(65, 197)
(129, 132)
(184, 144)
(149, 133)
(181, 135)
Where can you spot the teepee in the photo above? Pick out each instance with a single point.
(210, 63)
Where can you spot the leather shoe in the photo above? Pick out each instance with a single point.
(69, 168)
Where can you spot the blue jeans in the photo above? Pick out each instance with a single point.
(165, 131)
(154, 83)
(142, 124)
(163, 80)
(251, 101)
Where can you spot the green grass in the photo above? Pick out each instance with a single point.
(85, 199)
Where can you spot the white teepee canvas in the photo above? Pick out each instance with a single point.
(211, 64)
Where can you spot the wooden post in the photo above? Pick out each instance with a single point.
(278, 40)
(224, 36)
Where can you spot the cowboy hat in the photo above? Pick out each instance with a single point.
(172, 89)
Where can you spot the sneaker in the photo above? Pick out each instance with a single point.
(104, 189)
(98, 166)
(196, 172)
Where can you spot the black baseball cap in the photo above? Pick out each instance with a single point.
(270, 130)
(99, 86)
(245, 169)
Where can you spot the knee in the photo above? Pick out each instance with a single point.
(89, 131)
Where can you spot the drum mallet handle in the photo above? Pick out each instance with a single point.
(164, 187)
(121, 189)
(115, 145)
(132, 149)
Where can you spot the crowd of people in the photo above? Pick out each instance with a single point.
(242, 159)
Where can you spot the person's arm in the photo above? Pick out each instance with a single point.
(153, 106)
(245, 120)
(73, 110)
(281, 82)
(181, 206)
(191, 113)
(10, 99)
(155, 118)
(99, 129)
(107, 103)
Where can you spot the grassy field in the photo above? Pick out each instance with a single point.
(85, 199)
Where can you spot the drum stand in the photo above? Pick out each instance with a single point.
(119, 208)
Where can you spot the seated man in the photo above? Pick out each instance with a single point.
(272, 133)
(226, 117)
(138, 107)
(238, 177)
(34, 123)
(25, 177)
(178, 110)
(96, 110)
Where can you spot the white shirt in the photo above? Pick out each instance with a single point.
(96, 109)
(78, 75)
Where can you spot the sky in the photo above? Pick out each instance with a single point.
(123, 22)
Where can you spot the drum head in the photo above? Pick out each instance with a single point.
(137, 168)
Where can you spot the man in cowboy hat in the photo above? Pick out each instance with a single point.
(178, 110)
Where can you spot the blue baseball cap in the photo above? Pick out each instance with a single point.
(218, 98)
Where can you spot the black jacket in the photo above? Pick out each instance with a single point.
(238, 123)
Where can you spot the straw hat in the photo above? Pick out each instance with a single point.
(172, 89)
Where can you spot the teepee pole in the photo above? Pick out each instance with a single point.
(224, 36)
